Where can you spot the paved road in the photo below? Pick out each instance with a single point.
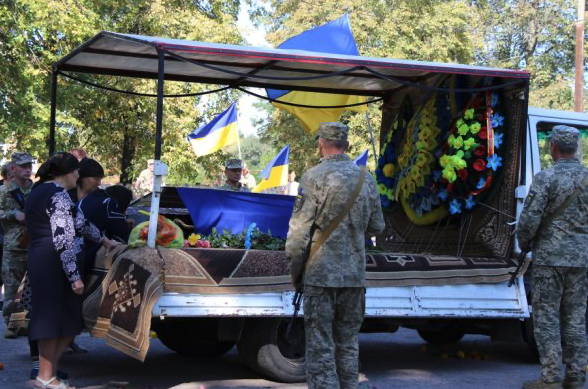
(400, 360)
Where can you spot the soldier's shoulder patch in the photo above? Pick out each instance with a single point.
(299, 202)
(530, 198)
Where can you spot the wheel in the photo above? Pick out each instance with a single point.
(193, 337)
(445, 335)
(269, 350)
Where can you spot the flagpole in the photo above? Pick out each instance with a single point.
(238, 141)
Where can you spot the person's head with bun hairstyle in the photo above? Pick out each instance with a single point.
(91, 175)
(61, 167)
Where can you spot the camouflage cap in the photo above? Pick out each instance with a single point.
(564, 136)
(234, 163)
(333, 131)
(21, 158)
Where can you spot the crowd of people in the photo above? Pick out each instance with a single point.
(53, 229)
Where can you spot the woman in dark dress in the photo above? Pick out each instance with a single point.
(55, 261)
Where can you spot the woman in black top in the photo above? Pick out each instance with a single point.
(55, 256)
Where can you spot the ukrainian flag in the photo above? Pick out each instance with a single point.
(220, 132)
(361, 160)
(276, 172)
(334, 38)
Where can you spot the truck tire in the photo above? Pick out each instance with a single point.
(192, 337)
(268, 350)
(445, 335)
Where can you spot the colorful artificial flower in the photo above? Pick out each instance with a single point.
(469, 143)
(480, 151)
(483, 134)
(454, 207)
(480, 165)
(463, 129)
(449, 174)
(497, 140)
(463, 174)
(389, 170)
(494, 162)
(474, 128)
(454, 142)
(481, 183)
(497, 120)
(469, 114)
(443, 194)
(469, 203)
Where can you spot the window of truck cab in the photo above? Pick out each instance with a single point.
(544, 128)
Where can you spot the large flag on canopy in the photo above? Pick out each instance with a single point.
(276, 171)
(361, 160)
(220, 132)
(335, 38)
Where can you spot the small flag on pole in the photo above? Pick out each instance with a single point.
(276, 172)
(220, 132)
(361, 160)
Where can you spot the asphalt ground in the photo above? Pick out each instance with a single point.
(399, 360)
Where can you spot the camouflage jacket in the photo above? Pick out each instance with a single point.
(564, 241)
(324, 191)
(15, 233)
(239, 188)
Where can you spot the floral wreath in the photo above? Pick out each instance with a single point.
(429, 171)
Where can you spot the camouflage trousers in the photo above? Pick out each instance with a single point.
(14, 267)
(559, 296)
(332, 318)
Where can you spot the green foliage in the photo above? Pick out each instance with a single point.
(259, 240)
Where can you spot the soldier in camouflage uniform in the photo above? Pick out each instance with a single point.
(560, 259)
(334, 293)
(233, 172)
(14, 263)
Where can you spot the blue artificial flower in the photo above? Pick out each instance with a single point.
(469, 204)
(494, 100)
(385, 201)
(443, 194)
(481, 183)
(497, 140)
(248, 235)
(454, 207)
(494, 162)
(497, 120)
(436, 175)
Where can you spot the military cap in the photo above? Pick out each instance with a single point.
(564, 136)
(234, 163)
(333, 131)
(21, 158)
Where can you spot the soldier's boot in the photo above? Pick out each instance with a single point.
(540, 384)
(574, 383)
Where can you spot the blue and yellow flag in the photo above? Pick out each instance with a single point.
(334, 38)
(276, 172)
(220, 132)
(361, 160)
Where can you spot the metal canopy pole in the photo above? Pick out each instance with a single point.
(51, 141)
(369, 122)
(159, 168)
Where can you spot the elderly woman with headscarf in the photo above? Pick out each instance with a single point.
(55, 264)
(98, 207)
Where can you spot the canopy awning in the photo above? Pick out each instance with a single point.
(110, 53)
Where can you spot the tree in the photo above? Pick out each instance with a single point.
(425, 30)
(116, 130)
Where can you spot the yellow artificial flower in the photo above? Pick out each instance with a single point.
(469, 143)
(193, 239)
(475, 128)
(449, 174)
(389, 170)
(454, 142)
(463, 129)
(469, 114)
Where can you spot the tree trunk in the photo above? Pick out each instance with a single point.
(128, 153)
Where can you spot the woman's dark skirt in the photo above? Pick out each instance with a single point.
(56, 311)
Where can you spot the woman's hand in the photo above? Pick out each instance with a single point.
(78, 287)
